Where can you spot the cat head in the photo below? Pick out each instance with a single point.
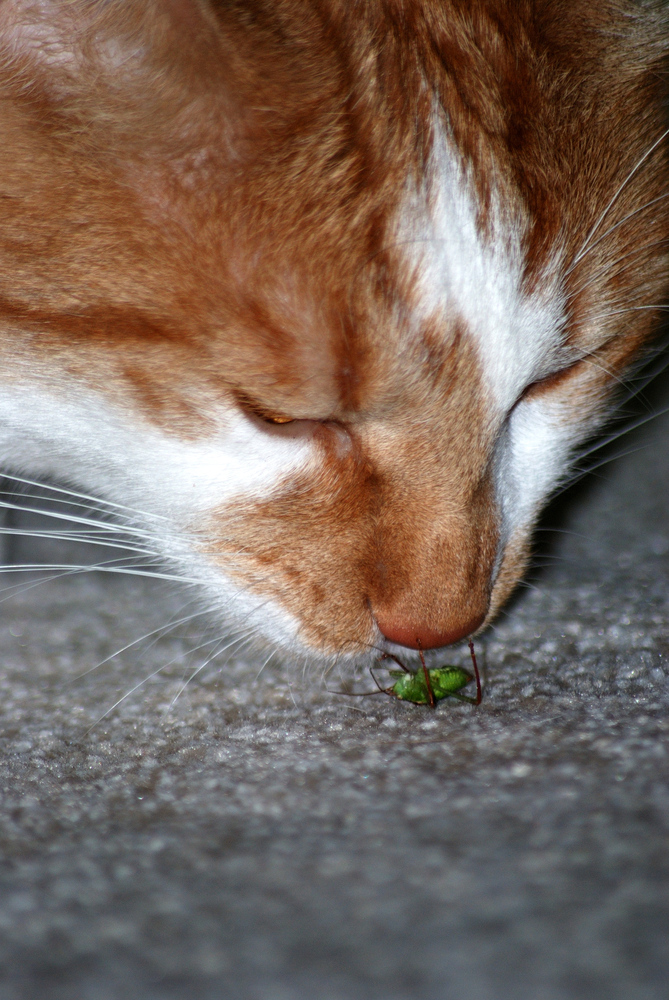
(333, 291)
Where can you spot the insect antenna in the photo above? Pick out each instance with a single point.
(395, 659)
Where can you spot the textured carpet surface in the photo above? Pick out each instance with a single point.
(258, 835)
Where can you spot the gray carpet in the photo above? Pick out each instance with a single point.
(263, 837)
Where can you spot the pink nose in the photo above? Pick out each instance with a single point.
(421, 637)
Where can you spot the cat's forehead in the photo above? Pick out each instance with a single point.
(319, 224)
(342, 342)
(378, 300)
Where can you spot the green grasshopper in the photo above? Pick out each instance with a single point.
(428, 686)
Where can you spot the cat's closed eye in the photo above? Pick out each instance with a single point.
(267, 415)
(551, 382)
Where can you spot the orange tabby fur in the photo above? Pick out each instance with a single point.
(221, 211)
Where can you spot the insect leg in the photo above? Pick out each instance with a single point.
(428, 682)
(479, 692)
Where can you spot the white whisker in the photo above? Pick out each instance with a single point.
(617, 225)
(91, 524)
(607, 371)
(264, 664)
(99, 568)
(84, 496)
(61, 571)
(125, 697)
(157, 632)
(611, 267)
(660, 307)
(609, 458)
(585, 247)
(221, 649)
(80, 537)
(618, 434)
(97, 505)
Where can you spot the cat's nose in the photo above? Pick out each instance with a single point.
(415, 636)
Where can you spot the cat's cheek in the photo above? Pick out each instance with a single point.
(55, 428)
(302, 550)
(532, 459)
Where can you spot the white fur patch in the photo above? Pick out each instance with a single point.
(459, 275)
(165, 485)
(532, 455)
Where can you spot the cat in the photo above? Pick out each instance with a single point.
(323, 297)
